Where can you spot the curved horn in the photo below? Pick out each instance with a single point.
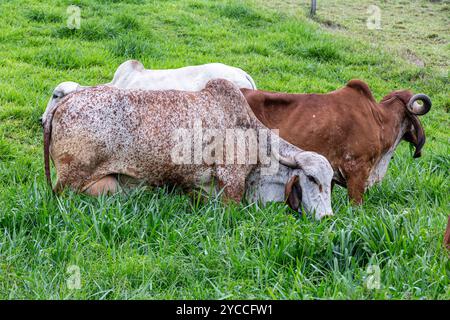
(415, 108)
(287, 161)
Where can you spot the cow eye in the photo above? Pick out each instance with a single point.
(55, 96)
(312, 179)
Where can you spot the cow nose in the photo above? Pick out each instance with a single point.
(322, 215)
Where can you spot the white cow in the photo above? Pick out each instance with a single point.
(132, 75)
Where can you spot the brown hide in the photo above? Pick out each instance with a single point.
(447, 235)
(347, 126)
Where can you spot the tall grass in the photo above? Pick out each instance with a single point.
(159, 243)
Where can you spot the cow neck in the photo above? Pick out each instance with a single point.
(393, 117)
(273, 104)
(392, 130)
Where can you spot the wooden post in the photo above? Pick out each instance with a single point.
(312, 13)
(447, 235)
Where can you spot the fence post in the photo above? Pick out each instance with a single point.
(313, 8)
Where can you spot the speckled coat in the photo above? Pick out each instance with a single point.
(104, 130)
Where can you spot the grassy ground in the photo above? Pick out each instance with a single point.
(160, 244)
(416, 30)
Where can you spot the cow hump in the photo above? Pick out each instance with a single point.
(361, 87)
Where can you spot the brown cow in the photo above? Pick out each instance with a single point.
(354, 132)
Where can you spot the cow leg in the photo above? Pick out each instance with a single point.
(59, 186)
(356, 188)
(232, 181)
(232, 192)
(106, 185)
(65, 181)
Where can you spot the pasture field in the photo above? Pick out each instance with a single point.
(161, 244)
(416, 30)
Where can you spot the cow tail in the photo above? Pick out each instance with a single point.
(47, 139)
(47, 133)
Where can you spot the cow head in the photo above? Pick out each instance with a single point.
(310, 184)
(411, 109)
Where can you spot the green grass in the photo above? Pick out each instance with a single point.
(159, 243)
(417, 30)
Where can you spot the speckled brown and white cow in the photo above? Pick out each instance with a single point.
(98, 135)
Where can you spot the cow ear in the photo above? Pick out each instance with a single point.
(293, 193)
(416, 137)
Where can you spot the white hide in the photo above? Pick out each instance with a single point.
(380, 168)
(132, 75)
(315, 174)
